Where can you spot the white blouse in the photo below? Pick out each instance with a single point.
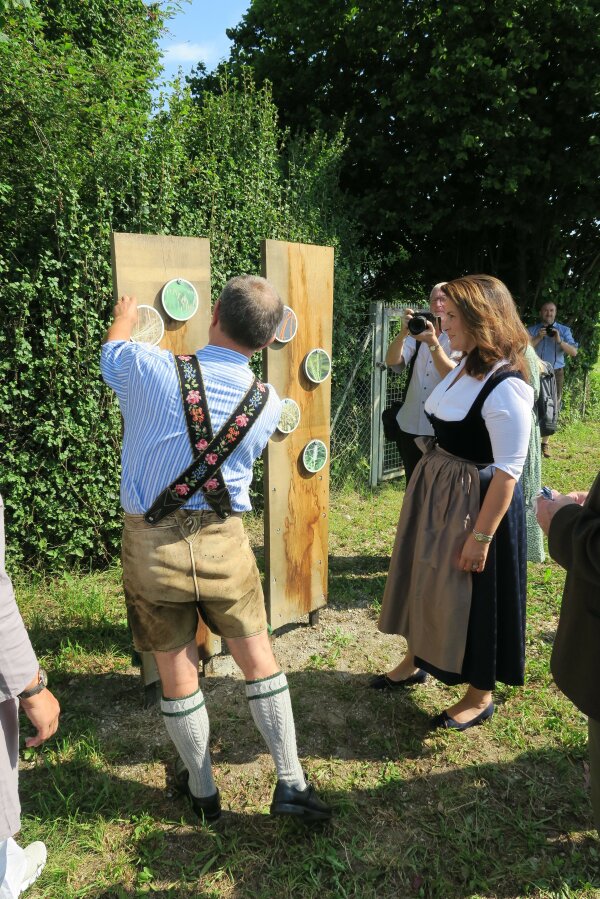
(506, 413)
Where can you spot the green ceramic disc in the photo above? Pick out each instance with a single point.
(317, 365)
(290, 416)
(287, 327)
(314, 456)
(180, 299)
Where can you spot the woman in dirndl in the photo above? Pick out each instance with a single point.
(457, 580)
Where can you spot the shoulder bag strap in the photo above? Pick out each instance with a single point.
(411, 366)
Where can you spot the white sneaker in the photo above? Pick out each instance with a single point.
(35, 859)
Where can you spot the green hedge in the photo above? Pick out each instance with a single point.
(81, 154)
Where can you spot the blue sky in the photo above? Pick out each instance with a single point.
(197, 33)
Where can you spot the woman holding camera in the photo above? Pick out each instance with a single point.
(457, 579)
(424, 350)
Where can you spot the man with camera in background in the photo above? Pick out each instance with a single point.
(552, 342)
(427, 366)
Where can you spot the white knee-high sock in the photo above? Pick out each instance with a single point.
(271, 709)
(187, 724)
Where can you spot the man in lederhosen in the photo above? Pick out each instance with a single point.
(196, 559)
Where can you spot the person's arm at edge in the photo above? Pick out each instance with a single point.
(574, 542)
(43, 711)
(17, 662)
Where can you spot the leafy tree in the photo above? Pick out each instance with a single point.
(471, 127)
(81, 154)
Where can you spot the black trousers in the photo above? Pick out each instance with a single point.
(410, 453)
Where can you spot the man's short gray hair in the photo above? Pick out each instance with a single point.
(250, 310)
(437, 287)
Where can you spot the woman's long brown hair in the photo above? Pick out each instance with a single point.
(490, 317)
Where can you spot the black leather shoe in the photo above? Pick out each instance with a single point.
(289, 800)
(383, 682)
(208, 808)
(444, 720)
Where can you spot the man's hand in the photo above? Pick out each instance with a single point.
(126, 307)
(43, 711)
(427, 336)
(406, 317)
(546, 509)
(125, 319)
(579, 496)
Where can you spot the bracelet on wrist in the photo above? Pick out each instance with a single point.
(483, 538)
(434, 347)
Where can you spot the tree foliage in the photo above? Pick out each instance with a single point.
(472, 132)
(81, 154)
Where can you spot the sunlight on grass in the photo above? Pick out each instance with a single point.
(500, 812)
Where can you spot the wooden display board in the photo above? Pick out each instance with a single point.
(297, 502)
(142, 264)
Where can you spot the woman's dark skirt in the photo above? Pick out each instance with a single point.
(495, 649)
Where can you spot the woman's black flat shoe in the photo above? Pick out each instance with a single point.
(444, 720)
(383, 682)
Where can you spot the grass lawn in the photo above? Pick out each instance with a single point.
(500, 811)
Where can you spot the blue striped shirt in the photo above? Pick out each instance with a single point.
(548, 349)
(156, 446)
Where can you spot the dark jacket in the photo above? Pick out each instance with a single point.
(574, 542)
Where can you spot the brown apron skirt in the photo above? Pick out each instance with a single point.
(427, 598)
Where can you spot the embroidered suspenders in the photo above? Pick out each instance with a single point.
(210, 450)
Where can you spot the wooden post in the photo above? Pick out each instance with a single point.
(142, 264)
(297, 502)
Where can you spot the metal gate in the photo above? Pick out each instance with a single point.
(387, 386)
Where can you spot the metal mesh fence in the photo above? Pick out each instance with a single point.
(351, 405)
(360, 454)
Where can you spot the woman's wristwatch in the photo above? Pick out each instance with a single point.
(41, 685)
(483, 538)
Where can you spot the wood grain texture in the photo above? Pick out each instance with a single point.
(296, 502)
(142, 264)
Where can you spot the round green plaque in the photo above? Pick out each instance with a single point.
(287, 327)
(317, 365)
(180, 299)
(149, 327)
(314, 456)
(290, 416)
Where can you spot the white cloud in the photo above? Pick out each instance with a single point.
(186, 51)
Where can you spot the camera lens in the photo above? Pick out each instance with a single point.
(417, 324)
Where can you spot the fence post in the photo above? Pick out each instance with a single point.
(377, 311)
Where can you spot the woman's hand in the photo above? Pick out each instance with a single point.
(473, 555)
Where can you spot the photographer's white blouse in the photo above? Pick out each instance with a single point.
(506, 412)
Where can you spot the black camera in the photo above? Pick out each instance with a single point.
(418, 323)
(551, 331)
